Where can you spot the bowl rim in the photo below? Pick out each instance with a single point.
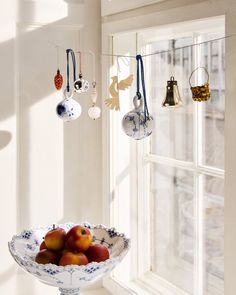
(71, 267)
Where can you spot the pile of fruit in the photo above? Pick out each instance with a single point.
(72, 248)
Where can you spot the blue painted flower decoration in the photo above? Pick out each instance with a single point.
(24, 247)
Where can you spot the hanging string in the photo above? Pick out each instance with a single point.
(80, 63)
(170, 50)
(156, 52)
(57, 57)
(93, 64)
(70, 52)
(140, 61)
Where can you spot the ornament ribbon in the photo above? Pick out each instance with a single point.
(70, 51)
(140, 61)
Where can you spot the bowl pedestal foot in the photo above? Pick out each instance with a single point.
(69, 291)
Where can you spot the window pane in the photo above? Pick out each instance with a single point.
(173, 225)
(214, 235)
(173, 130)
(213, 111)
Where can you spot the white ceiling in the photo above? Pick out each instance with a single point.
(114, 6)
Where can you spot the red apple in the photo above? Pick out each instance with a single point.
(55, 239)
(43, 246)
(46, 256)
(70, 258)
(78, 238)
(97, 253)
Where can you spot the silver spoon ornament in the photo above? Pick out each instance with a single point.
(68, 109)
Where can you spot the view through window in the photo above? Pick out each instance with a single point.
(184, 187)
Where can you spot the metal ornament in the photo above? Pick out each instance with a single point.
(114, 101)
(172, 99)
(68, 109)
(134, 123)
(81, 85)
(200, 93)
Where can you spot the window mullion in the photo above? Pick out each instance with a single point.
(198, 186)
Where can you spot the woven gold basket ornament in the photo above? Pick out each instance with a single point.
(200, 93)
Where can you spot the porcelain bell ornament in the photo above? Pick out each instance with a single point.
(68, 109)
(135, 124)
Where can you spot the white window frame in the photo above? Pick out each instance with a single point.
(144, 21)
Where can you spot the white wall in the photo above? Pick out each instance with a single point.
(50, 171)
(109, 7)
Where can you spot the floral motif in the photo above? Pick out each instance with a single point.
(24, 247)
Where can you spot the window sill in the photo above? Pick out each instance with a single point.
(132, 288)
(100, 291)
(149, 284)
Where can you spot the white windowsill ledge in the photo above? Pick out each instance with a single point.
(100, 291)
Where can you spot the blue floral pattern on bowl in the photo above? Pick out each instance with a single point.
(24, 247)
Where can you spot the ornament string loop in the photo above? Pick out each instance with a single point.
(207, 74)
(140, 72)
(70, 52)
(80, 63)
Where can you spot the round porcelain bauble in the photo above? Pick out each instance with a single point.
(68, 110)
(94, 112)
(134, 123)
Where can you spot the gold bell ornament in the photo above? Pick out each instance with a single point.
(172, 99)
(202, 92)
(94, 112)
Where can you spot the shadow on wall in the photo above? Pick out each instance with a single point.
(41, 88)
(5, 138)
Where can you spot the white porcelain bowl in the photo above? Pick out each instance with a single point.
(69, 279)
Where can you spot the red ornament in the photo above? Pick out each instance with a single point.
(58, 80)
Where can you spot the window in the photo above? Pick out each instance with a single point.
(168, 191)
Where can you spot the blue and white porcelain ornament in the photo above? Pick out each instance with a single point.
(138, 123)
(94, 112)
(135, 124)
(68, 109)
(81, 85)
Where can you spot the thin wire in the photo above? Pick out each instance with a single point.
(170, 50)
(57, 57)
(80, 62)
(94, 65)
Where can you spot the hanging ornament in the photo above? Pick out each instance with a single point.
(81, 85)
(94, 112)
(173, 99)
(114, 101)
(137, 123)
(200, 93)
(69, 109)
(58, 79)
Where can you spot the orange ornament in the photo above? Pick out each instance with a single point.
(58, 80)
